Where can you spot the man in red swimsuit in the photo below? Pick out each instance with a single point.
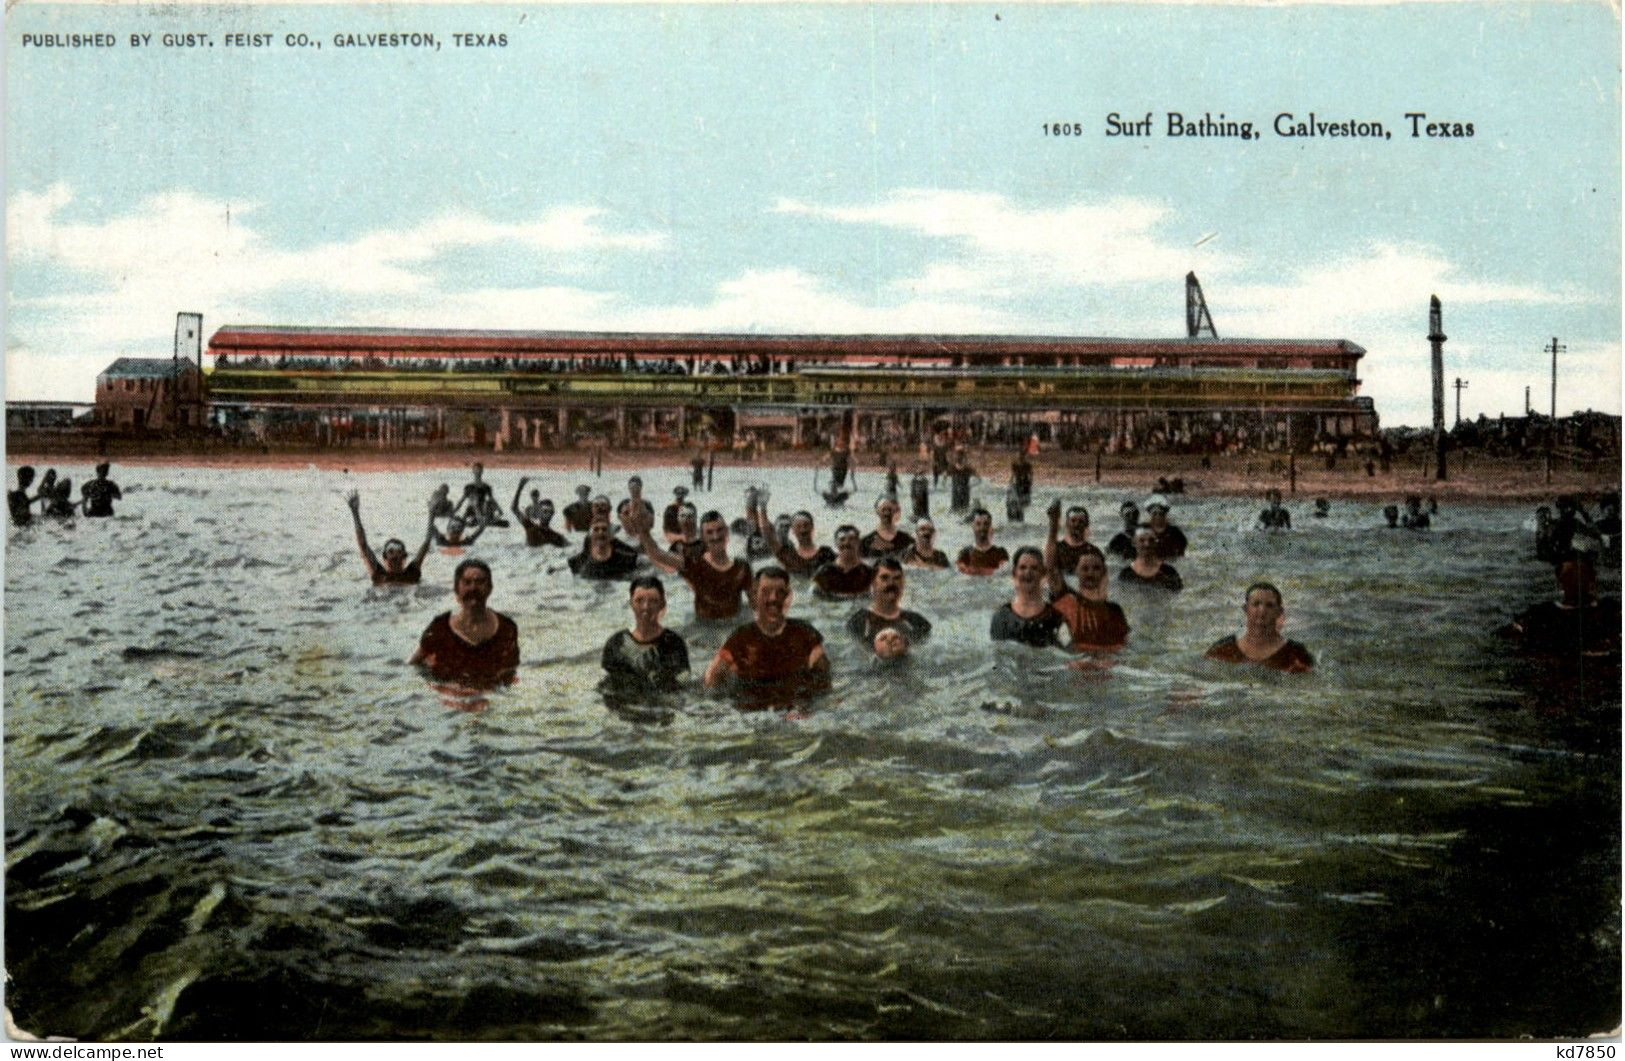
(475, 647)
(1261, 642)
(718, 580)
(774, 650)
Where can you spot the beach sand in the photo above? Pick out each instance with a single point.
(1472, 476)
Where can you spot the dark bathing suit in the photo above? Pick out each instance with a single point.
(872, 546)
(865, 624)
(1171, 542)
(489, 663)
(983, 561)
(21, 507)
(99, 495)
(938, 558)
(538, 536)
(621, 563)
(1067, 555)
(410, 575)
(1290, 657)
(832, 581)
(1039, 631)
(578, 515)
(657, 665)
(796, 564)
(1122, 544)
(1165, 578)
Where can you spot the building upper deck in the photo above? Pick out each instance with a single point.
(693, 353)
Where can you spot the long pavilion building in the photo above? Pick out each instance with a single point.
(521, 389)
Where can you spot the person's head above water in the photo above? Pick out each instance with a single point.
(1391, 514)
(1090, 570)
(102, 469)
(1145, 544)
(471, 583)
(393, 555)
(583, 491)
(714, 532)
(25, 476)
(1273, 496)
(770, 595)
(647, 599)
(887, 587)
(1077, 521)
(680, 492)
(847, 540)
(1264, 609)
(1027, 568)
(1131, 515)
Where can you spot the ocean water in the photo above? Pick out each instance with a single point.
(232, 811)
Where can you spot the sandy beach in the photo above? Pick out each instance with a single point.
(1472, 476)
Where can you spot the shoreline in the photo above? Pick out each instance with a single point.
(1472, 477)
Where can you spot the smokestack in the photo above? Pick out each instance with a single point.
(1436, 339)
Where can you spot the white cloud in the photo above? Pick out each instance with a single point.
(999, 248)
(181, 251)
(789, 300)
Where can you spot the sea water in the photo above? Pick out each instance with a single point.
(233, 811)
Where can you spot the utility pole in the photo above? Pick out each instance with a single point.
(1527, 408)
(1436, 339)
(1551, 429)
(1459, 384)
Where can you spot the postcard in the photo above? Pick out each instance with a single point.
(812, 521)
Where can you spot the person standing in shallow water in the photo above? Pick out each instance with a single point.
(1147, 568)
(647, 657)
(391, 567)
(18, 502)
(1261, 641)
(1028, 617)
(1096, 623)
(773, 650)
(536, 519)
(886, 611)
(99, 494)
(474, 647)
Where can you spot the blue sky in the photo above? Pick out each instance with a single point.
(853, 168)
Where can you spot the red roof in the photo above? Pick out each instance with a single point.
(263, 339)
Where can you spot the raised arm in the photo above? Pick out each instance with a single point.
(769, 535)
(428, 540)
(641, 523)
(524, 520)
(1052, 568)
(354, 501)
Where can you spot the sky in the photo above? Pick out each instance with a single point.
(825, 168)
